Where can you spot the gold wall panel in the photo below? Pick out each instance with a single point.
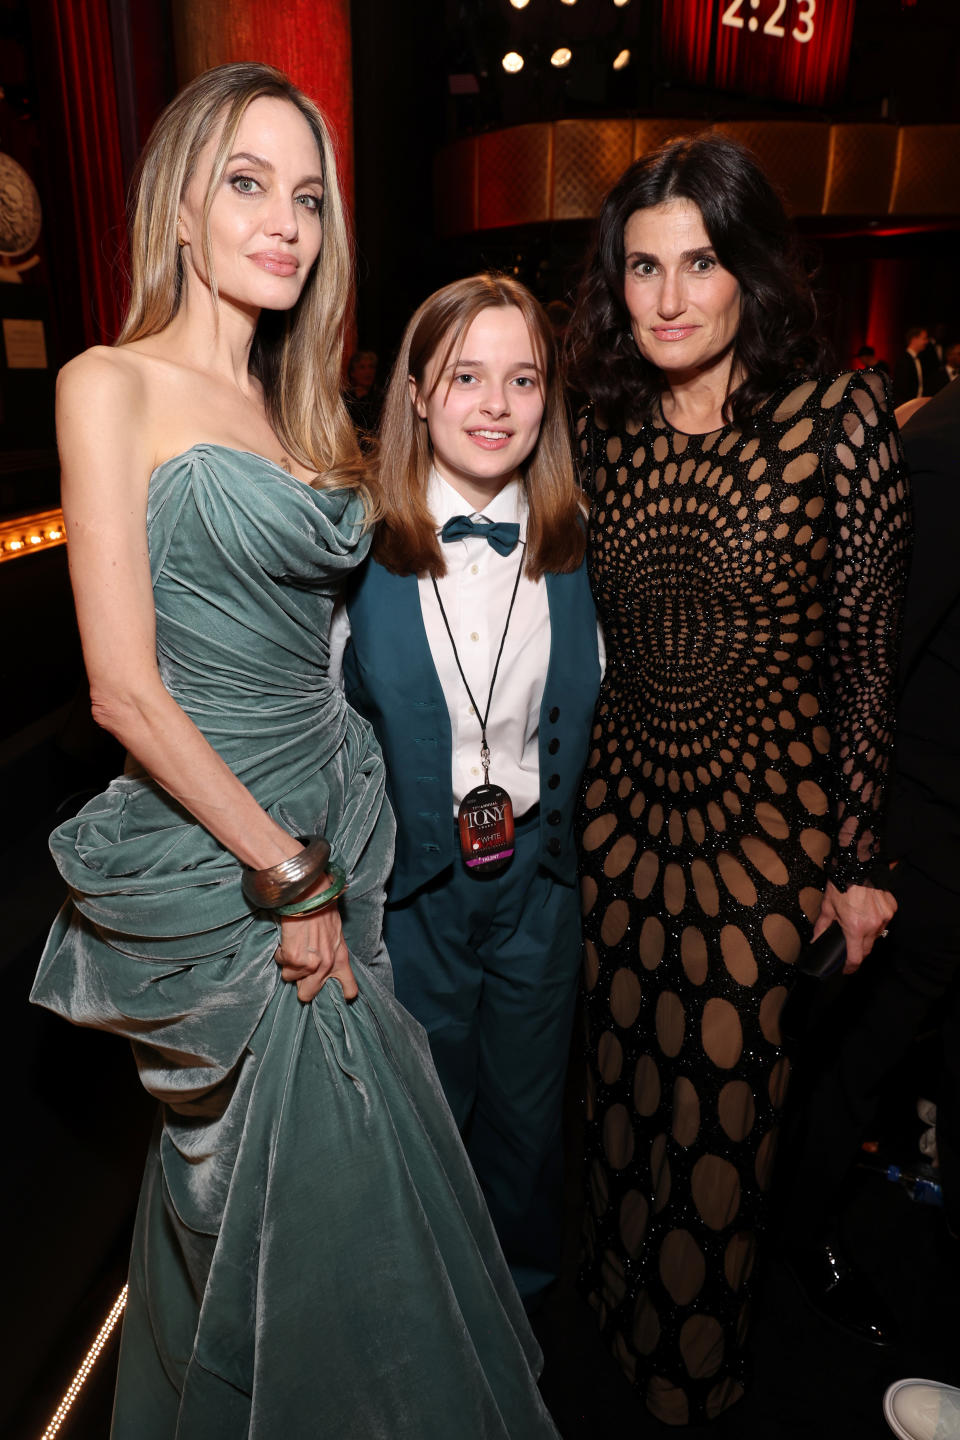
(589, 155)
(561, 171)
(926, 178)
(515, 176)
(651, 134)
(308, 39)
(859, 169)
(794, 155)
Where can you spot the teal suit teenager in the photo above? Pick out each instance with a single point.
(487, 964)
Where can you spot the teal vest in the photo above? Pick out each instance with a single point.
(391, 679)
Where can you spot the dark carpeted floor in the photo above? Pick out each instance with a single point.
(811, 1379)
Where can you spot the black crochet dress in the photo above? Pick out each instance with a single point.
(749, 587)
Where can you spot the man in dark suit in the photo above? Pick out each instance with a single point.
(923, 827)
(908, 369)
(932, 360)
(916, 972)
(952, 364)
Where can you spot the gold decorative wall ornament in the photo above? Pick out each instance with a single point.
(531, 174)
(20, 219)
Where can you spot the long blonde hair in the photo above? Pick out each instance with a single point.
(400, 464)
(297, 354)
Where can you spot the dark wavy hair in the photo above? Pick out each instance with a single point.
(749, 230)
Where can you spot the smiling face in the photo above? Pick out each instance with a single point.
(483, 408)
(264, 223)
(684, 306)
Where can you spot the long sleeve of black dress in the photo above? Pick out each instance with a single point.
(871, 524)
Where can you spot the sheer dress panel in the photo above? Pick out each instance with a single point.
(749, 586)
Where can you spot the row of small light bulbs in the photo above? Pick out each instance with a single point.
(31, 533)
(513, 61)
(89, 1361)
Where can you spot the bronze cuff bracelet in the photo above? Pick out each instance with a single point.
(282, 884)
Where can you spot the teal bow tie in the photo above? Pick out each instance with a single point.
(501, 534)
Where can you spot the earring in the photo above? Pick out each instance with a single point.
(180, 240)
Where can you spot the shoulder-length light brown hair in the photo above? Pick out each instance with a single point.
(400, 464)
(296, 354)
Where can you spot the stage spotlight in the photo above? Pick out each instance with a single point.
(512, 62)
(561, 57)
(622, 60)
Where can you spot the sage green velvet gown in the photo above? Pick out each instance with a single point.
(312, 1257)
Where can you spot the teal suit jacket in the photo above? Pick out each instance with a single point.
(391, 679)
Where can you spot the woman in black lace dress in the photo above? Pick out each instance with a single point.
(748, 543)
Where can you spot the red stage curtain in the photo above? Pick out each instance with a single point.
(761, 64)
(885, 319)
(685, 27)
(79, 37)
(308, 39)
(757, 60)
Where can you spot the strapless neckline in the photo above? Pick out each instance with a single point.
(231, 450)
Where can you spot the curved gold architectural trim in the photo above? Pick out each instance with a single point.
(562, 169)
(26, 534)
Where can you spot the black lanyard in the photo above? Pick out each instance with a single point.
(484, 749)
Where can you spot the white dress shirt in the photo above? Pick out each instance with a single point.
(476, 593)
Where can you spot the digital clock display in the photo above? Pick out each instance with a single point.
(803, 33)
(785, 49)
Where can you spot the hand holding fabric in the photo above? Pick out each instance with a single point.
(863, 914)
(312, 951)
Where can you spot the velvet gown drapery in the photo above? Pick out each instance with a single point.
(312, 1254)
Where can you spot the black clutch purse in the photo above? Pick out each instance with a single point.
(824, 956)
(818, 977)
(816, 984)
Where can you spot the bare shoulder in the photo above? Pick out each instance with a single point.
(102, 379)
(104, 428)
(104, 364)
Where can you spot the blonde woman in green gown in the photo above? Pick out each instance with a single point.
(312, 1254)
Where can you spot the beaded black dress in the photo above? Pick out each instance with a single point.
(749, 588)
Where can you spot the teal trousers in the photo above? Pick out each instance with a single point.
(489, 966)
